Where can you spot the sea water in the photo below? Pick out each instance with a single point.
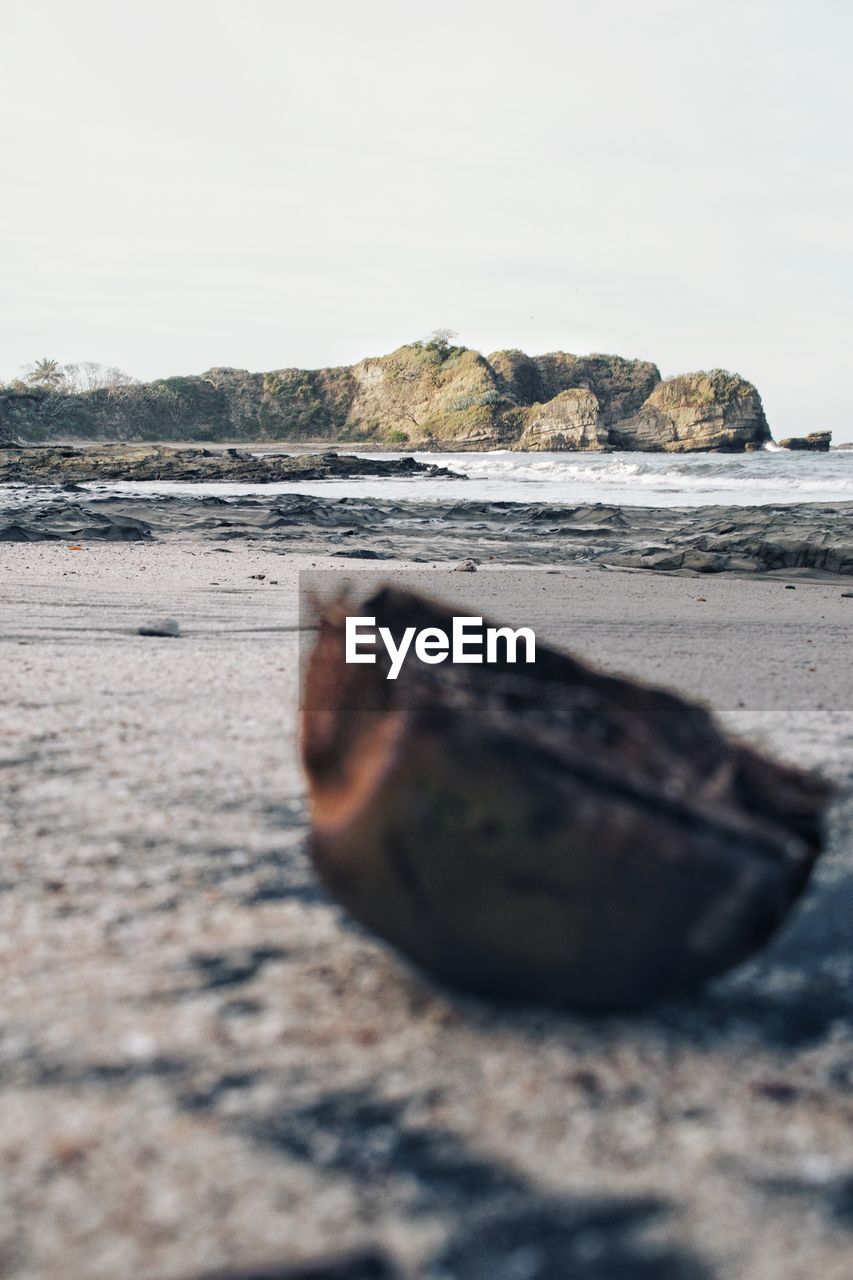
(771, 476)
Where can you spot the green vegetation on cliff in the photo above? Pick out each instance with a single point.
(427, 394)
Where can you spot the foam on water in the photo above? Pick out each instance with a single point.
(772, 476)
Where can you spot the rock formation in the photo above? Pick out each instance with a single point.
(815, 442)
(67, 465)
(572, 420)
(695, 411)
(813, 539)
(426, 395)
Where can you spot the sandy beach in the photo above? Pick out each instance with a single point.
(206, 1065)
(425, 337)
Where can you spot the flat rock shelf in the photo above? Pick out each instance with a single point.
(811, 539)
(75, 464)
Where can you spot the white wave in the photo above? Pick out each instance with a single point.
(772, 476)
(671, 471)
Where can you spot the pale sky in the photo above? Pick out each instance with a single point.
(264, 183)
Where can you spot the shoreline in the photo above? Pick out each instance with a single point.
(321, 445)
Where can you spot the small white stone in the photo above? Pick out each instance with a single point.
(138, 1045)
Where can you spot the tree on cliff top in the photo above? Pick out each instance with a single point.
(440, 341)
(49, 375)
(46, 373)
(88, 375)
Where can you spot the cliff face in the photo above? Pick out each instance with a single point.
(715, 410)
(571, 420)
(423, 395)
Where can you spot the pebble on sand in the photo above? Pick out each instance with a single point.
(369, 1264)
(161, 627)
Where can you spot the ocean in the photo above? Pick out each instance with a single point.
(769, 477)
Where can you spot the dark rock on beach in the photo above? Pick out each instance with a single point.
(811, 538)
(160, 627)
(64, 519)
(67, 464)
(364, 1265)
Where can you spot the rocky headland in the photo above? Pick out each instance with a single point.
(428, 395)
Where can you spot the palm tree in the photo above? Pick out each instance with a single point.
(46, 373)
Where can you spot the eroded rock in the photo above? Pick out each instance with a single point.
(68, 464)
(570, 421)
(697, 411)
(814, 442)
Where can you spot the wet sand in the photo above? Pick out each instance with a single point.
(204, 1064)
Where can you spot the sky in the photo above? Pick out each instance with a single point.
(271, 184)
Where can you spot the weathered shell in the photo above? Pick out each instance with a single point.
(546, 831)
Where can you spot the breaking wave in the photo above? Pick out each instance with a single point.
(770, 477)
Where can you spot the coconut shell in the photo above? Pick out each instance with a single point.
(545, 831)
